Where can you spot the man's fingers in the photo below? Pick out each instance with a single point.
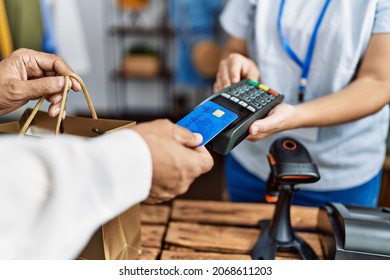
(54, 98)
(54, 110)
(186, 137)
(207, 161)
(45, 61)
(32, 89)
(192, 140)
(45, 64)
(75, 85)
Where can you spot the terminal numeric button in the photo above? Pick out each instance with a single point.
(250, 108)
(243, 104)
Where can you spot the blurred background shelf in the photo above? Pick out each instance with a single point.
(121, 75)
(141, 31)
(149, 46)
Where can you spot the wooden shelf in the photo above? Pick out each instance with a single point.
(163, 36)
(141, 31)
(120, 75)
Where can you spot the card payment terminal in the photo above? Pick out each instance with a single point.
(250, 101)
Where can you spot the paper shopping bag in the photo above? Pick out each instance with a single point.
(42, 125)
(120, 237)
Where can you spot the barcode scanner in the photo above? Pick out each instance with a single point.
(291, 164)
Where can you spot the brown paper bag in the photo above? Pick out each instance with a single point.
(42, 125)
(119, 238)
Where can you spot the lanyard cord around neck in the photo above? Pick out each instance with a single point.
(305, 65)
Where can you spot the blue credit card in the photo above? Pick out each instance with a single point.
(208, 119)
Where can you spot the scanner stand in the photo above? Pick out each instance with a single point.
(278, 234)
(290, 165)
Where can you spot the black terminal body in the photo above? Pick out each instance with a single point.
(250, 101)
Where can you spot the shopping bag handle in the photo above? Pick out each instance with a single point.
(63, 103)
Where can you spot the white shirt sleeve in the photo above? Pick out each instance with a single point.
(54, 193)
(234, 18)
(382, 17)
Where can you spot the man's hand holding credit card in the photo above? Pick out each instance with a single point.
(208, 119)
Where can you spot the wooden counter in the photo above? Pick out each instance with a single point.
(194, 229)
(154, 221)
